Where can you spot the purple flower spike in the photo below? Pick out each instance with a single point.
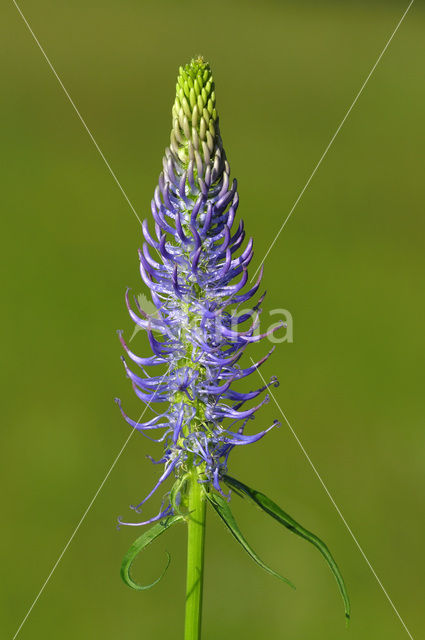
(195, 263)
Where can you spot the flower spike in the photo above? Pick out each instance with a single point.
(199, 275)
(194, 261)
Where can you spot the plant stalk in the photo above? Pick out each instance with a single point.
(195, 558)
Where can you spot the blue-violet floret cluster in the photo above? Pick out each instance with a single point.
(195, 266)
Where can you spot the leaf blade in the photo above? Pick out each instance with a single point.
(141, 543)
(272, 509)
(223, 510)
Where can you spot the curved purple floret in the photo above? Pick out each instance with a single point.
(195, 265)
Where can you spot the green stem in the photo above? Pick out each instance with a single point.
(195, 558)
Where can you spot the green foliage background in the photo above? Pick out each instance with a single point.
(349, 266)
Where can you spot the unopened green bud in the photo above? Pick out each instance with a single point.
(195, 117)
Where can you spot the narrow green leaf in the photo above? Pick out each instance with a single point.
(284, 518)
(223, 510)
(138, 545)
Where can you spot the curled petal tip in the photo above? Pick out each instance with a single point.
(135, 508)
(275, 382)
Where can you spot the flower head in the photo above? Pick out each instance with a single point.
(195, 266)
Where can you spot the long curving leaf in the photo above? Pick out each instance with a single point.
(284, 518)
(138, 545)
(222, 508)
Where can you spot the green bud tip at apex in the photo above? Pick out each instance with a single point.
(195, 119)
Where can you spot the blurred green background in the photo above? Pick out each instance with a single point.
(349, 266)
